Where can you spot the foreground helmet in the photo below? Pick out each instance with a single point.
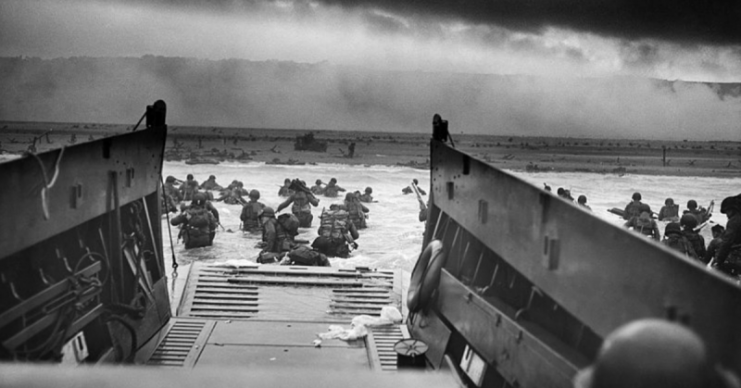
(318, 181)
(730, 203)
(688, 220)
(582, 199)
(333, 180)
(691, 204)
(669, 202)
(212, 177)
(650, 353)
(254, 194)
(368, 190)
(349, 196)
(672, 228)
(636, 196)
(267, 212)
(199, 199)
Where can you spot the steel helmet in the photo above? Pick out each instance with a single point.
(636, 196)
(730, 203)
(688, 220)
(318, 181)
(691, 204)
(199, 199)
(267, 212)
(669, 202)
(582, 199)
(254, 194)
(368, 190)
(672, 228)
(650, 353)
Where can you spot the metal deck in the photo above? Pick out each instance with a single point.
(263, 316)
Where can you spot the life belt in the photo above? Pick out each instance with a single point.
(425, 276)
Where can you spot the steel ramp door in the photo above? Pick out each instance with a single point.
(269, 316)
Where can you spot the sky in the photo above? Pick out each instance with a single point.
(554, 39)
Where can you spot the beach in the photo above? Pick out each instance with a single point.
(210, 145)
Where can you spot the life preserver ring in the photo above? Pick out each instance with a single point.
(425, 276)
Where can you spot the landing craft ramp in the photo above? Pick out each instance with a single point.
(264, 316)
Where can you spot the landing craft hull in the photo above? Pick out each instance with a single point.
(79, 228)
(533, 284)
(530, 287)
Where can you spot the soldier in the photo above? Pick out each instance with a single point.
(635, 208)
(583, 202)
(688, 224)
(729, 252)
(653, 353)
(275, 241)
(366, 197)
(670, 211)
(700, 213)
(356, 210)
(302, 200)
(712, 251)
(172, 195)
(644, 224)
(198, 224)
(285, 190)
(332, 189)
(211, 184)
(250, 213)
(409, 190)
(336, 233)
(317, 189)
(189, 189)
(674, 239)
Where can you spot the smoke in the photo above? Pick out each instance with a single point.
(272, 94)
(467, 37)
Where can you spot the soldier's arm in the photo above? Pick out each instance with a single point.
(178, 219)
(312, 199)
(284, 204)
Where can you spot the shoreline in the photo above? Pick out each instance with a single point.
(529, 154)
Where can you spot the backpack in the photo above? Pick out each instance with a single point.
(198, 218)
(333, 224)
(304, 255)
(680, 244)
(289, 223)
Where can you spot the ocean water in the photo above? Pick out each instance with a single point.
(394, 235)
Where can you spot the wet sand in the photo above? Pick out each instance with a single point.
(215, 145)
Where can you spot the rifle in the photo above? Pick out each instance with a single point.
(422, 204)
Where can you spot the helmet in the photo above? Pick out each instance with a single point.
(636, 196)
(730, 203)
(199, 199)
(254, 194)
(189, 177)
(287, 180)
(669, 202)
(267, 212)
(368, 190)
(691, 204)
(349, 196)
(650, 353)
(672, 228)
(582, 199)
(333, 180)
(688, 220)
(644, 208)
(416, 182)
(718, 229)
(170, 179)
(212, 177)
(318, 181)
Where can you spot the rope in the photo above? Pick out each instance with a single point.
(48, 185)
(169, 233)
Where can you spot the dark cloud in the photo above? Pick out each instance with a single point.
(683, 21)
(712, 21)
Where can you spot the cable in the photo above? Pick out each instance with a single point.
(48, 185)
